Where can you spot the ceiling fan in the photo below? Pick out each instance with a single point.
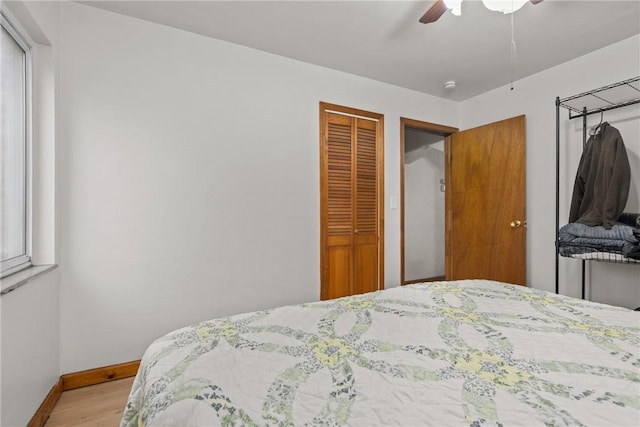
(439, 7)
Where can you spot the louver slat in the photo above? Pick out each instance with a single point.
(366, 181)
(339, 215)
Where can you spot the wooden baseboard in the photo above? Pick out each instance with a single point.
(99, 375)
(46, 407)
(81, 379)
(428, 279)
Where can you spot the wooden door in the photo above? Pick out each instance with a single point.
(365, 208)
(351, 208)
(485, 202)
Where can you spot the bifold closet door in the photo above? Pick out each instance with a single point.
(350, 208)
(338, 251)
(366, 208)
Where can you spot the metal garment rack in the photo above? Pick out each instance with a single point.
(595, 101)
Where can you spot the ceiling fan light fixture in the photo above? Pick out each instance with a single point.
(439, 7)
(504, 6)
(455, 6)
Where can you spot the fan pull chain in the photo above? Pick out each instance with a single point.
(514, 57)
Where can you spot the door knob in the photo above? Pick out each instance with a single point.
(515, 223)
(355, 231)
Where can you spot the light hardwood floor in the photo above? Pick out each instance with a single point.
(94, 406)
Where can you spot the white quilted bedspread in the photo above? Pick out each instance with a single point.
(472, 353)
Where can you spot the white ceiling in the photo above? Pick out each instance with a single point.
(383, 40)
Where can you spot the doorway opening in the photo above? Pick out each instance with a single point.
(423, 151)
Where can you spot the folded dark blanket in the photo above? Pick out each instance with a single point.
(631, 219)
(636, 230)
(576, 232)
(622, 239)
(633, 252)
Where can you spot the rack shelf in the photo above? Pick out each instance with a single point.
(617, 95)
(606, 98)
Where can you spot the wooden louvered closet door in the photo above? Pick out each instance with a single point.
(351, 203)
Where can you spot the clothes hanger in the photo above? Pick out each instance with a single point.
(596, 129)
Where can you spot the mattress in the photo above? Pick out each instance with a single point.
(472, 353)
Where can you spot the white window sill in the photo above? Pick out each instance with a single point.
(14, 281)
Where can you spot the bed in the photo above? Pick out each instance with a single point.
(472, 353)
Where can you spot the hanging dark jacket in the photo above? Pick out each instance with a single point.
(601, 188)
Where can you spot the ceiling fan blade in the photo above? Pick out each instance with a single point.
(435, 11)
(535, 1)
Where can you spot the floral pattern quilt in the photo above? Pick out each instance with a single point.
(464, 353)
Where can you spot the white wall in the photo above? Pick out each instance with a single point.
(190, 179)
(535, 96)
(30, 315)
(187, 186)
(30, 347)
(424, 206)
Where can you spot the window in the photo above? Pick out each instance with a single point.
(14, 150)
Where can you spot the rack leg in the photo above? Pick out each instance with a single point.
(557, 193)
(584, 263)
(584, 144)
